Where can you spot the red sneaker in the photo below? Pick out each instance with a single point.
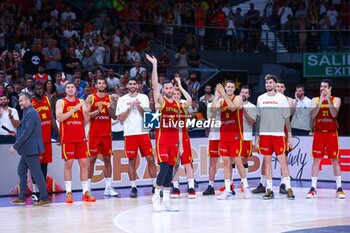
(69, 197)
(88, 197)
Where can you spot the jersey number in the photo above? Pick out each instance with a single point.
(325, 113)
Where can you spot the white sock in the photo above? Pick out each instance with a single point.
(287, 182)
(191, 183)
(338, 181)
(263, 180)
(314, 182)
(108, 182)
(68, 185)
(245, 182)
(269, 184)
(246, 170)
(85, 186)
(228, 185)
(157, 192)
(283, 180)
(211, 183)
(35, 188)
(176, 184)
(154, 181)
(133, 184)
(166, 195)
(89, 184)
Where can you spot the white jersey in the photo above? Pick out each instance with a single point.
(247, 128)
(133, 124)
(214, 133)
(273, 110)
(301, 117)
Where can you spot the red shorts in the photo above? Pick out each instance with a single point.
(100, 145)
(186, 157)
(134, 142)
(231, 148)
(325, 142)
(269, 144)
(213, 151)
(46, 157)
(167, 154)
(76, 150)
(247, 148)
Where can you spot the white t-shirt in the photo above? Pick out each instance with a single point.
(284, 16)
(5, 121)
(133, 125)
(68, 15)
(113, 82)
(301, 117)
(134, 71)
(273, 110)
(247, 128)
(214, 133)
(333, 17)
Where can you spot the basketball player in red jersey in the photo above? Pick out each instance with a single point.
(72, 113)
(231, 136)
(100, 133)
(42, 104)
(168, 138)
(41, 76)
(324, 112)
(186, 157)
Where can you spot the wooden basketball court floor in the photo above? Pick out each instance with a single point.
(203, 214)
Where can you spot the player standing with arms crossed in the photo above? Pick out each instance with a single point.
(72, 113)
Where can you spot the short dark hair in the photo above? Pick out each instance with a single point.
(132, 79)
(271, 76)
(230, 81)
(281, 81)
(246, 87)
(330, 82)
(35, 84)
(300, 86)
(4, 95)
(166, 82)
(70, 82)
(26, 95)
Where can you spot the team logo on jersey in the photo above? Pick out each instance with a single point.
(151, 120)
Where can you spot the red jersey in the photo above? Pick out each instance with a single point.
(168, 133)
(324, 119)
(101, 125)
(72, 129)
(41, 79)
(43, 107)
(231, 123)
(183, 118)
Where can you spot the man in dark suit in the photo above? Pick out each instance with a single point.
(29, 145)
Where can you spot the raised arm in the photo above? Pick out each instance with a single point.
(185, 93)
(156, 92)
(233, 105)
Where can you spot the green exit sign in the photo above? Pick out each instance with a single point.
(326, 64)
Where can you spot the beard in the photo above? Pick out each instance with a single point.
(168, 95)
(133, 90)
(4, 105)
(244, 98)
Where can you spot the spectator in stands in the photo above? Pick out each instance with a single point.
(137, 69)
(8, 118)
(239, 23)
(208, 97)
(283, 13)
(54, 31)
(325, 25)
(17, 77)
(112, 80)
(89, 62)
(60, 88)
(120, 55)
(2, 79)
(182, 60)
(79, 51)
(194, 59)
(52, 56)
(164, 62)
(302, 22)
(121, 90)
(133, 55)
(41, 76)
(333, 15)
(31, 60)
(194, 85)
(98, 51)
(14, 98)
(80, 91)
(68, 15)
(28, 89)
(71, 63)
(87, 40)
(50, 90)
(9, 64)
(145, 82)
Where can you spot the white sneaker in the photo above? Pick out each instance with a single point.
(225, 195)
(110, 192)
(167, 206)
(247, 193)
(157, 207)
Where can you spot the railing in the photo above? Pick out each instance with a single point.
(247, 40)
